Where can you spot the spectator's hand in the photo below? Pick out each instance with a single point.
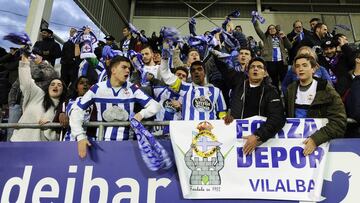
(282, 34)
(13, 51)
(228, 119)
(250, 145)
(138, 117)
(43, 121)
(176, 104)
(310, 146)
(64, 120)
(24, 59)
(342, 41)
(82, 147)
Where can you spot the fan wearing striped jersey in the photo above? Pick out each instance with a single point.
(114, 100)
(170, 101)
(201, 101)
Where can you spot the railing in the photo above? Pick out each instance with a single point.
(101, 125)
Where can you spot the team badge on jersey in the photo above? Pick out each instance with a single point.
(167, 104)
(126, 92)
(202, 104)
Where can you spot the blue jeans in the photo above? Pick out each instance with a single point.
(15, 113)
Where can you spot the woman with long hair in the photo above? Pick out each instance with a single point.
(38, 106)
(274, 51)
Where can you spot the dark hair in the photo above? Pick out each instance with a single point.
(74, 92)
(357, 54)
(197, 63)
(182, 68)
(114, 61)
(47, 102)
(319, 25)
(258, 59)
(238, 26)
(193, 49)
(146, 46)
(336, 37)
(252, 54)
(267, 30)
(314, 19)
(308, 57)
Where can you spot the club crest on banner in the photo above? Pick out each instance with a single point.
(204, 157)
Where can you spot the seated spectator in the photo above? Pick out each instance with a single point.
(291, 76)
(38, 105)
(315, 98)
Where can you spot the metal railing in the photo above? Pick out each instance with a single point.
(100, 125)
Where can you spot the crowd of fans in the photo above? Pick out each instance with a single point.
(221, 74)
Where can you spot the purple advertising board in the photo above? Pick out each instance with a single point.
(112, 172)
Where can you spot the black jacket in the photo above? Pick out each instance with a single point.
(295, 44)
(68, 53)
(131, 44)
(50, 50)
(270, 102)
(313, 41)
(344, 65)
(352, 102)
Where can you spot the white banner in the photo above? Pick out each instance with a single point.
(211, 163)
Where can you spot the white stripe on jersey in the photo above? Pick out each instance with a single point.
(201, 102)
(104, 96)
(68, 110)
(163, 95)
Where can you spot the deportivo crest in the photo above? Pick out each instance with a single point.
(209, 161)
(202, 104)
(167, 104)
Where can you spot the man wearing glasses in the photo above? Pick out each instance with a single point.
(296, 36)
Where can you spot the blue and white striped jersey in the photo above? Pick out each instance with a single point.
(106, 98)
(201, 102)
(103, 76)
(276, 49)
(164, 95)
(68, 110)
